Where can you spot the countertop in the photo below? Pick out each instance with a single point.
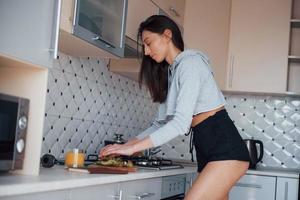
(273, 171)
(57, 178)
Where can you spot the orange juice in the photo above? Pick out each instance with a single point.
(74, 158)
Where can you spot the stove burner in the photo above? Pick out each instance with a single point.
(154, 163)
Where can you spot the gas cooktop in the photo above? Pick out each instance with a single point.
(155, 163)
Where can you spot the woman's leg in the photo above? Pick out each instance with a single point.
(216, 179)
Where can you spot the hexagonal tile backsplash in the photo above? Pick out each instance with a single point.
(87, 104)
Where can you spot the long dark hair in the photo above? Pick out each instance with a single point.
(153, 74)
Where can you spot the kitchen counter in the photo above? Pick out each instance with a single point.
(273, 171)
(57, 178)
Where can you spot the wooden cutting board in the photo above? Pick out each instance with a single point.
(93, 169)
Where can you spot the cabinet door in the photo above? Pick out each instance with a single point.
(252, 187)
(103, 192)
(287, 189)
(174, 8)
(29, 30)
(148, 189)
(57, 195)
(258, 45)
(102, 23)
(138, 11)
(210, 34)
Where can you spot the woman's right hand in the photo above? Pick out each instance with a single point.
(128, 143)
(101, 155)
(117, 149)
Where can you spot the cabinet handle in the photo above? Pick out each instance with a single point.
(118, 196)
(286, 191)
(107, 44)
(174, 11)
(123, 24)
(248, 185)
(74, 13)
(144, 195)
(54, 48)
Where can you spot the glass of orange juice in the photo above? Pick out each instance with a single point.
(74, 158)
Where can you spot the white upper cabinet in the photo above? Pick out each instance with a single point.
(29, 31)
(91, 28)
(138, 11)
(258, 45)
(206, 28)
(173, 8)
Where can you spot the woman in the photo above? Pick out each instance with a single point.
(190, 101)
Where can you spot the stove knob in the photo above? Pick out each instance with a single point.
(20, 145)
(23, 122)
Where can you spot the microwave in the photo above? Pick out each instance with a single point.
(13, 126)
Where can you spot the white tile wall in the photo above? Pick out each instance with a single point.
(87, 104)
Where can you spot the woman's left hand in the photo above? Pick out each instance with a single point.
(117, 149)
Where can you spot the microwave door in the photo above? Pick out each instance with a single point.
(8, 121)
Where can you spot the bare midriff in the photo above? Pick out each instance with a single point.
(197, 119)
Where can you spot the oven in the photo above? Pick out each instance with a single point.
(173, 187)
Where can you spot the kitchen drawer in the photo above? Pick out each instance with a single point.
(57, 195)
(149, 189)
(103, 192)
(253, 187)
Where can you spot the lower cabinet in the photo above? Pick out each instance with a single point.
(149, 189)
(57, 195)
(287, 189)
(105, 192)
(254, 187)
(257, 187)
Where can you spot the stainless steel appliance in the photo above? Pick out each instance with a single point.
(154, 163)
(118, 139)
(252, 148)
(173, 187)
(13, 127)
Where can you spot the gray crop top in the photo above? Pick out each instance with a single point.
(192, 90)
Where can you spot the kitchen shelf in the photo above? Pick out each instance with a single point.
(293, 81)
(294, 58)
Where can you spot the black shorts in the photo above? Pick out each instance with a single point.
(216, 138)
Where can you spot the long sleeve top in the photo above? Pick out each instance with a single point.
(192, 90)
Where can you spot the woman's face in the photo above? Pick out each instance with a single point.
(155, 45)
